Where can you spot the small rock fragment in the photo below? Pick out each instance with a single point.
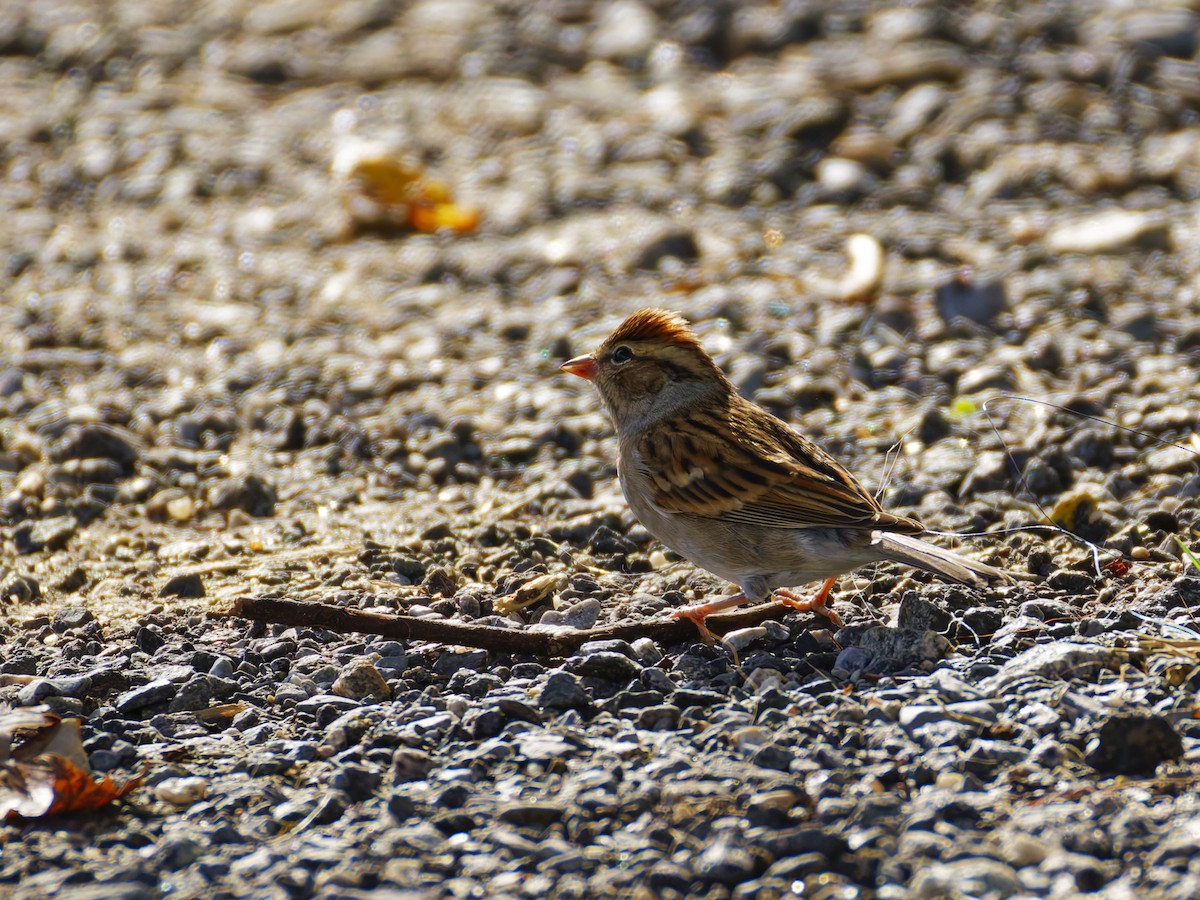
(1133, 745)
(182, 791)
(1109, 231)
(562, 690)
(361, 680)
(47, 534)
(966, 298)
(249, 493)
(187, 586)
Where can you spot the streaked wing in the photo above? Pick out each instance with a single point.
(755, 470)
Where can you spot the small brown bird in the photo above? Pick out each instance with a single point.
(732, 487)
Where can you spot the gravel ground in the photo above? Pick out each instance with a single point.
(221, 379)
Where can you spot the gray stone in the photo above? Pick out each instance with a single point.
(45, 534)
(582, 615)
(197, 693)
(1059, 660)
(360, 680)
(186, 586)
(71, 617)
(409, 764)
(158, 691)
(562, 690)
(663, 717)
(314, 703)
(606, 665)
(535, 815)
(41, 688)
(451, 661)
(646, 651)
(1133, 745)
(727, 863)
(249, 493)
(973, 876)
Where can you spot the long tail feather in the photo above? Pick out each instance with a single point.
(923, 555)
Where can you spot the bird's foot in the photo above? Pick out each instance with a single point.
(697, 614)
(815, 604)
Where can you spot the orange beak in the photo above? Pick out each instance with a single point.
(583, 366)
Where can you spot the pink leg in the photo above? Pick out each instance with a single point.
(816, 604)
(697, 614)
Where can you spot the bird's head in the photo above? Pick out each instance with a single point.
(649, 367)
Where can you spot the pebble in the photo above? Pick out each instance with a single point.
(742, 638)
(1134, 745)
(186, 586)
(724, 862)
(249, 493)
(313, 705)
(360, 680)
(562, 690)
(47, 534)
(1108, 231)
(70, 618)
(582, 615)
(842, 176)
(182, 791)
(608, 665)
(196, 693)
(624, 29)
(971, 298)
(451, 661)
(96, 441)
(1062, 659)
(976, 876)
(157, 691)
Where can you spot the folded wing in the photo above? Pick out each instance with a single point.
(759, 471)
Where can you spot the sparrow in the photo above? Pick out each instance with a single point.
(733, 488)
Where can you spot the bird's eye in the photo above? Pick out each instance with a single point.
(622, 354)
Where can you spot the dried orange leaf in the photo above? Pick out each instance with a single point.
(444, 215)
(53, 785)
(382, 190)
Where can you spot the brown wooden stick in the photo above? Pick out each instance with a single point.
(543, 644)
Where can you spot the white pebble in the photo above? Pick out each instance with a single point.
(865, 275)
(1102, 232)
(182, 791)
(837, 175)
(181, 508)
(624, 29)
(742, 638)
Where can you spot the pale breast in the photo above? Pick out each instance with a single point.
(737, 552)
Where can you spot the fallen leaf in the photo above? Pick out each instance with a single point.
(381, 190)
(1119, 567)
(44, 768)
(53, 785)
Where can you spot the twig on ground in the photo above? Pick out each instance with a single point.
(547, 644)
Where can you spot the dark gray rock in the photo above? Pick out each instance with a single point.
(562, 690)
(187, 586)
(250, 493)
(451, 661)
(607, 665)
(95, 441)
(47, 534)
(158, 691)
(1133, 745)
